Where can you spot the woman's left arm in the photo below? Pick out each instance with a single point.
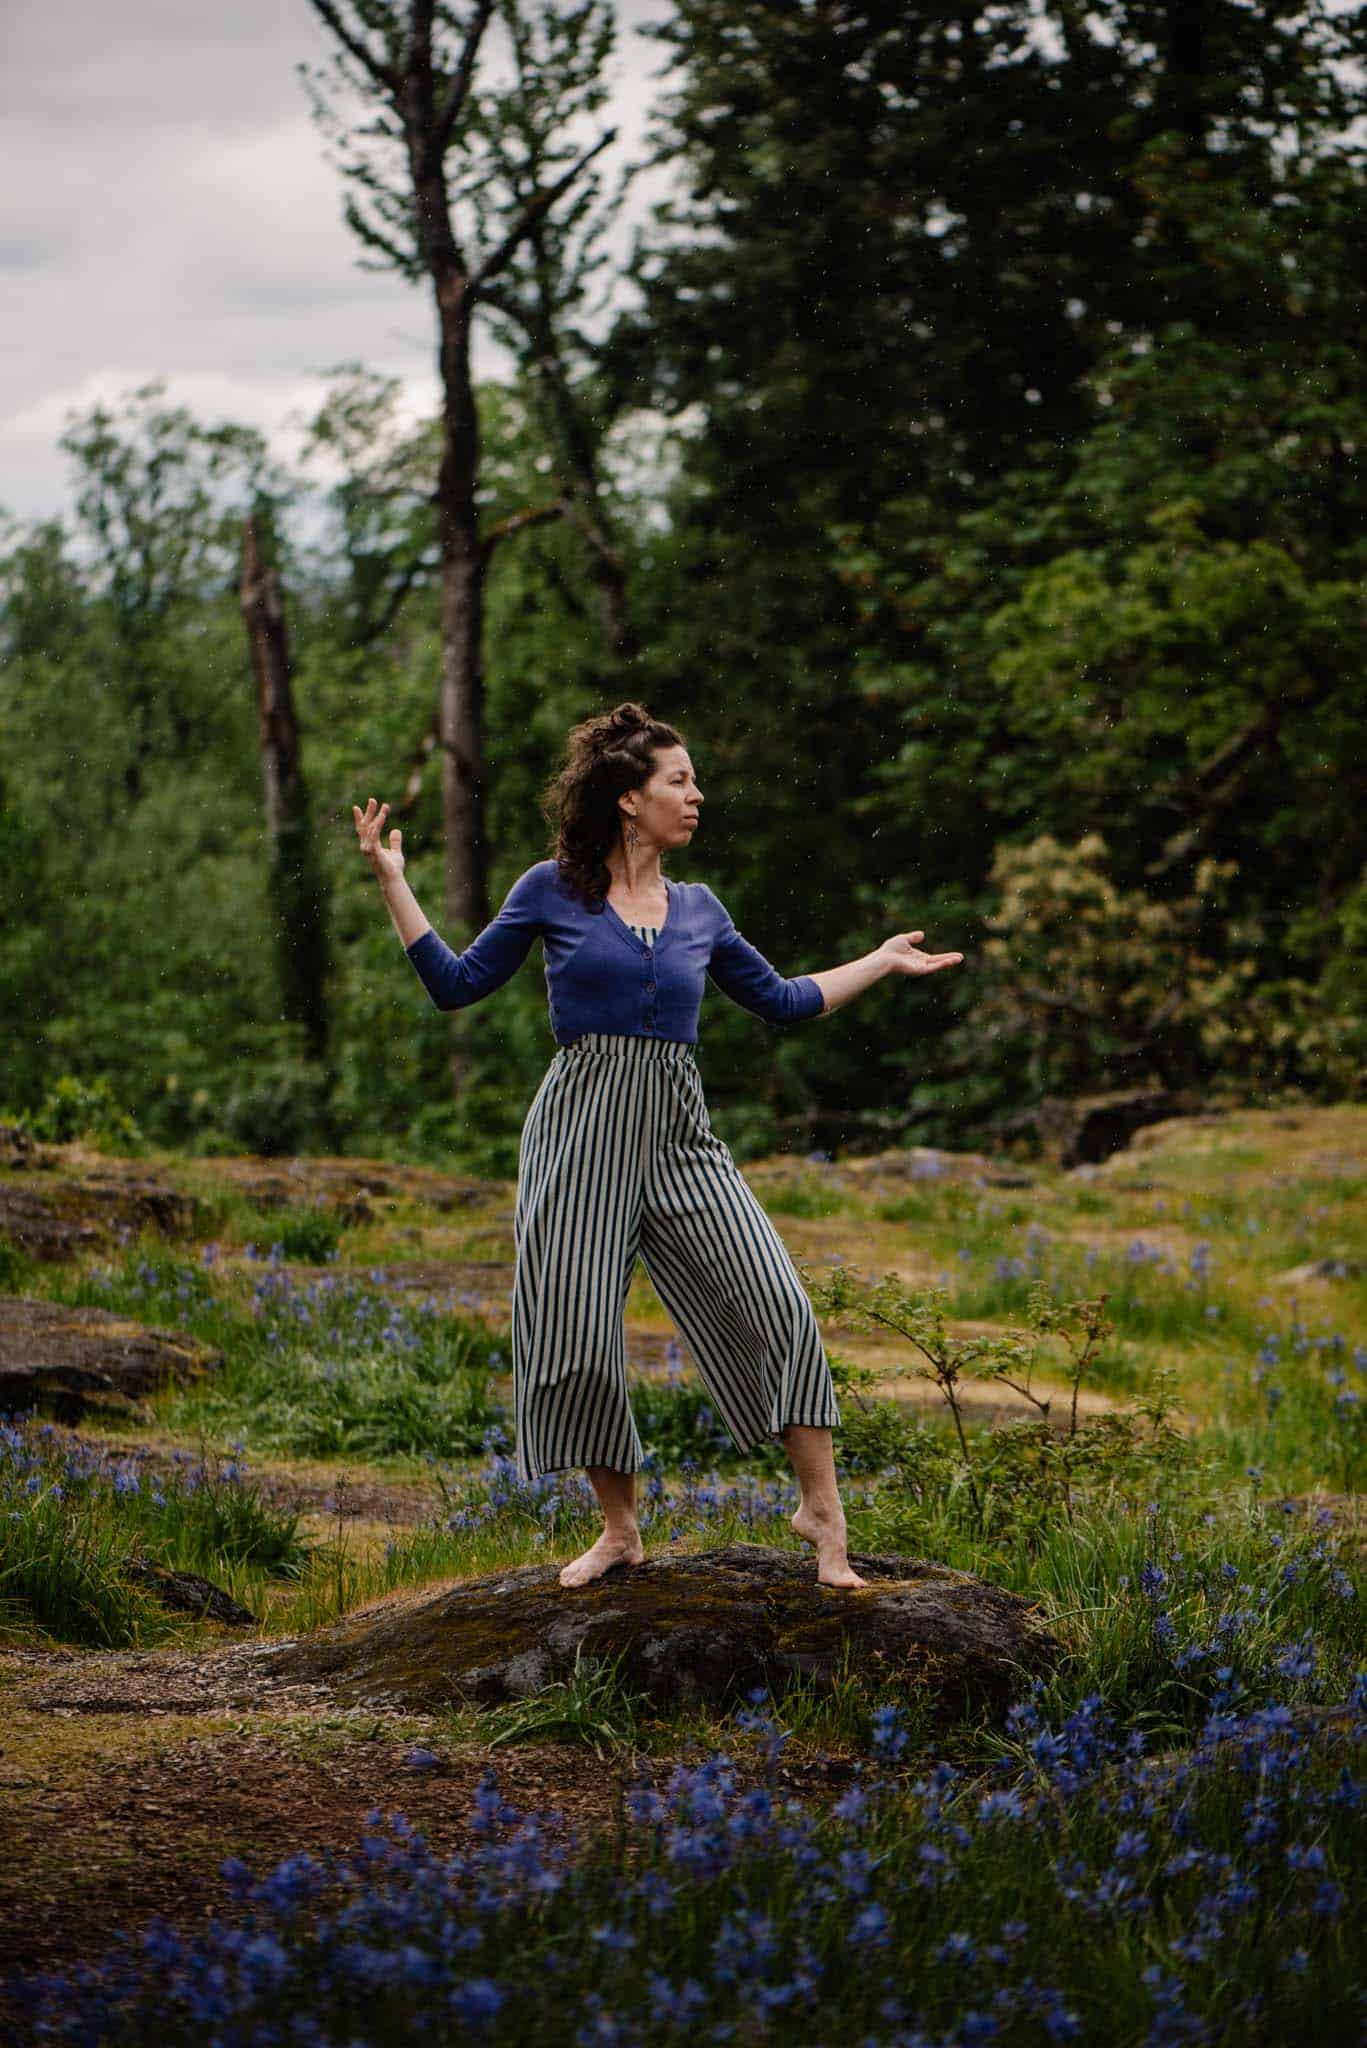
(898, 955)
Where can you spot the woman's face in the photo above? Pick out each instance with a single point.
(666, 808)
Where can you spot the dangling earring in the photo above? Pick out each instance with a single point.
(631, 834)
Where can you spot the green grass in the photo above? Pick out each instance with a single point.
(331, 1367)
(804, 1198)
(73, 1523)
(1160, 1547)
(336, 1370)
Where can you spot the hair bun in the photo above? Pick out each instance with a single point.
(614, 726)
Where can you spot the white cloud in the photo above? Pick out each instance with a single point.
(175, 214)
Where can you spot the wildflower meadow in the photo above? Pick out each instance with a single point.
(1102, 1392)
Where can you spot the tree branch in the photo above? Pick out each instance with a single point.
(365, 231)
(382, 73)
(375, 629)
(531, 214)
(1229, 758)
(449, 112)
(504, 303)
(412, 788)
(536, 515)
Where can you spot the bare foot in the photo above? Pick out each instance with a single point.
(826, 1531)
(616, 1546)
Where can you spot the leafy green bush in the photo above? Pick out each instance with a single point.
(885, 1439)
(73, 1109)
(1083, 985)
(312, 1234)
(280, 1107)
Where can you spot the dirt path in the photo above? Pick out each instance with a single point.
(116, 1806)
(136, 1818)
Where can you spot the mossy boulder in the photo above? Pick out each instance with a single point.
(53, 1217)
(1082, 1130)
(347, 1184)
(692, 1629)
(63, 1359)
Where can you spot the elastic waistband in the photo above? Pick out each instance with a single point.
(627, 1046)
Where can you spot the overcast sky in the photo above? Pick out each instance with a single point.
(169, 209)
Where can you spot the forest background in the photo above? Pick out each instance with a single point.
(963, 457)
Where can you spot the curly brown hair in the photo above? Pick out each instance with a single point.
(604, 757)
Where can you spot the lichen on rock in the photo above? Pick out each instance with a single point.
(697, 1629)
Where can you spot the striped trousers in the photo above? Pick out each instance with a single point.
(618, 1159)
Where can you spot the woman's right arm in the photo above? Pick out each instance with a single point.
(388, 863)
(409, 922)
(453, 980)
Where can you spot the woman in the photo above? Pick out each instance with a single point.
(618, 1158)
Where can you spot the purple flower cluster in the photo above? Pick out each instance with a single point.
(927, 1915)
(556, 1501)
(39, 1461)
(1221, 1632)
(340, 1314)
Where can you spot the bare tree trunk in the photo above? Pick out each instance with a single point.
(296, 888)
(460, 712)
(460, 717)
(401, 48)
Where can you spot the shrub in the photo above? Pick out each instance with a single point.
(73, 1109)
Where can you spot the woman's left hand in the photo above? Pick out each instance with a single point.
(904, 956)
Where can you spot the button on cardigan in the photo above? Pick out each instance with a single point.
(600, 976)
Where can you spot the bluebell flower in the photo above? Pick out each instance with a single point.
(1061, 2023)
(1047, 1748)
(852, 1805)
(235, 1875)
(1299, 1660)
(870, 1925)
(889, 1732)
(957, 1948)
(616, 1940)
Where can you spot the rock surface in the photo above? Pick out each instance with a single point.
(189, 1593)
(60, 1358)
(59, 1200)
(346, 1183)
(1085, 1129)
(1313, 1271)
(52, 1217)
(691, 1628)
(17, 1147)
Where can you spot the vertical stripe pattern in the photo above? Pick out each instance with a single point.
(617, 1160)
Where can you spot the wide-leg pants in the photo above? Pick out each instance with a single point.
(618, 1159)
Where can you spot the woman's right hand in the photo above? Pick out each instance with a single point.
(386, 861)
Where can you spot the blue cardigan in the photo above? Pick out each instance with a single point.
(600, 976)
